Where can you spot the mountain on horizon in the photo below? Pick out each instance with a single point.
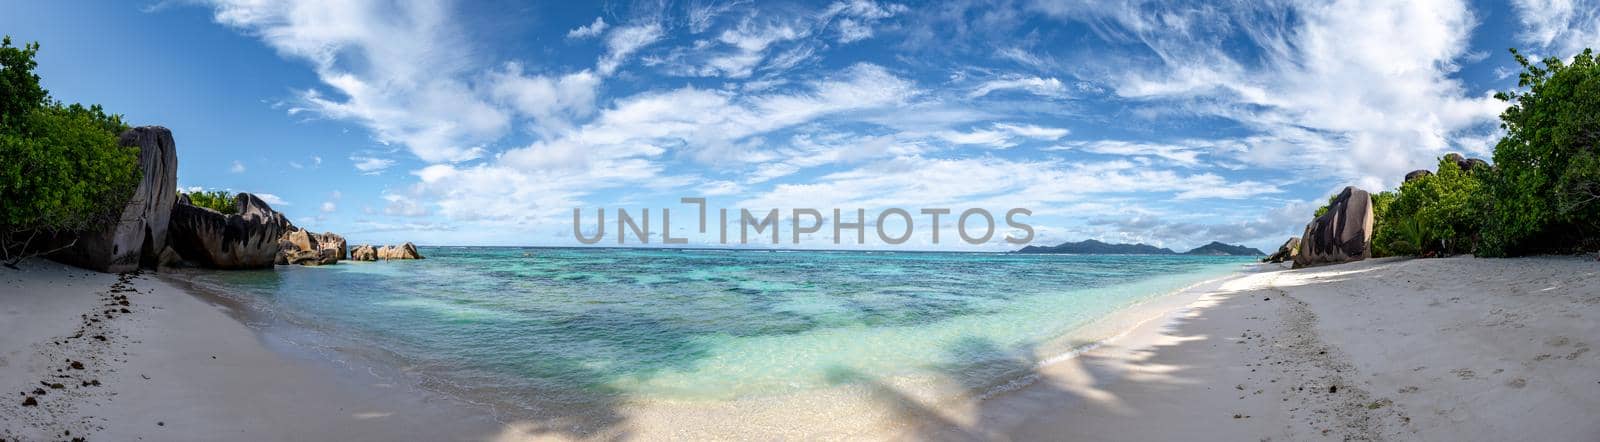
(1217, 248)
(1096, 247)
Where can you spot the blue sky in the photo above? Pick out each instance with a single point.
(1169, 123)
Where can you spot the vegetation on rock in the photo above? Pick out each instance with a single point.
(218, 200)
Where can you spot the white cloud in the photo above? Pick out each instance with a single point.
(402, 205)
(552, 103)
(1033, 131)
(1044, 186)
(589, 30)
(853, 20)
(1185, 153)
(981, 137)
(238, 167)
(396, 67)
(624, 41)
(328, 207)
(271, 199)
(1562, 27)
(1046, 87)
(370, 165)
(1359, 90)
(625, 144)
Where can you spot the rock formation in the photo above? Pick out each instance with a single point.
(369, 253)
(332, 241)
(304, 247)
(1418, 174)
(1466, 164)
(247, 240)
(140, 232)
(1340, 235)
(1286, 252)
(363, 253)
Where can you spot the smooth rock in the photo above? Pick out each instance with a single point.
(135, 239)
(1342, 234)
(247, 240)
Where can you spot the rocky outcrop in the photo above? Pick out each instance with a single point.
(369, 253)
(1466, 164)
(1286, 252)
(1342, 234)
(1460, 161)
(301, 240)
(247, 240)
(363, 253)
(332, 241)
(305, 247)
(1418, 174)
(289, 256)
(139, 233)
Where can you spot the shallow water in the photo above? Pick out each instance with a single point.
(585, 325)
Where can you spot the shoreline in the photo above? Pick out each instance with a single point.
(1375, 350)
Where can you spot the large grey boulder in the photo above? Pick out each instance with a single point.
(1342, 234)
(247, 240)
(139, 233)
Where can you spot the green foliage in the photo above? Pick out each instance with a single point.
(1324, 209)
(1546, 188)
(1380, 219)
(1436, 213)
(60, 164)
(217, 200)
(20, 91)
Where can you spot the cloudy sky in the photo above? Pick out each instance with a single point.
(1169, 123)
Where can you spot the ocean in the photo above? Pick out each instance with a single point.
(556, 327)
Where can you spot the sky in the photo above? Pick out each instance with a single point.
(488, 122)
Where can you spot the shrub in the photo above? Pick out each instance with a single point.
(1380, 220)
(1546, 187)
(59, 164)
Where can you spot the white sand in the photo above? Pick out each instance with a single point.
(1437, 349)
(1457, 349)
(179, 368)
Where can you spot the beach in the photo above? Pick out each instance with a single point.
(1428, 349)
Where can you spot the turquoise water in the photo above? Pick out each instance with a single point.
(576, 325)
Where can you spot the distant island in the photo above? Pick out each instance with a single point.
(1094, 247)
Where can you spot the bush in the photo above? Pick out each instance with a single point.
(1436, 213)
(217, 200)
(59, 164)
(1380, 220)
(1546, 188)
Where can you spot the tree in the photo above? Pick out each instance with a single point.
(1546, 187)
(217, 200)
(1381, 221)
(59, 164)
(20, 91)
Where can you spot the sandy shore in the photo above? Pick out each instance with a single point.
(1457, 349)
(174, 366)
(1437, 349)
